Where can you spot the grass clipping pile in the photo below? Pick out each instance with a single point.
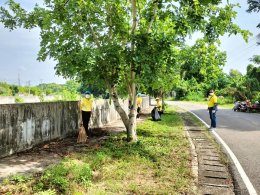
(159, 163)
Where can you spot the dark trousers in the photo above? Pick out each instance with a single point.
(85, 118)
(138, 112)
(212, 117)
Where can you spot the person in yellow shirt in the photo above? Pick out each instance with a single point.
(212, 107)
(139, 105)
(86, 109)
(159, 105)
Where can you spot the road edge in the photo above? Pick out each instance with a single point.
(251, 190)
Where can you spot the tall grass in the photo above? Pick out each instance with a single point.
(159, 163)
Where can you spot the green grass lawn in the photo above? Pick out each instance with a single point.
(159, 163)
(224, 105)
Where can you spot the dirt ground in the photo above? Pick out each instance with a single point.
(39, 157)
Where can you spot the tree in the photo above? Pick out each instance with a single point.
(253, 6)
(255, 59)
(203, 61)
(236, 78)
(201, 65)
(5, 89)
(252, 81)
(14, 89)
(113, 41)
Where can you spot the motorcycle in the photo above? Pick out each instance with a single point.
(255, 107)
(240, 106)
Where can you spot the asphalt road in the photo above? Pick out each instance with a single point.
(240, 131)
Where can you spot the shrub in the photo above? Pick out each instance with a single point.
(59, 177)
(195, 96)
(18, 99)
(19, 178)
(225, 100)
(47, 192)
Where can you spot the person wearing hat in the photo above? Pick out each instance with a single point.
(86, 109)
(212, 107)
(159, 105)
(139, 104)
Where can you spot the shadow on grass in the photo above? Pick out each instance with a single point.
(119, 148)
(168, 119)
(151, 138)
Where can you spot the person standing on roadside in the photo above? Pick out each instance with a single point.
(86, 109)
(212, 107)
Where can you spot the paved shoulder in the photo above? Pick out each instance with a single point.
(213, 174)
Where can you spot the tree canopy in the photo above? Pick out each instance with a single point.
(120, 43)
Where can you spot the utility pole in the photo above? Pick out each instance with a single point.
(19, 81)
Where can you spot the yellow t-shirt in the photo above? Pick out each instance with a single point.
(86, 104)
(159, 105)
(212, 101)
(139, 101)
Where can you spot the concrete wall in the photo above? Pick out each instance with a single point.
(25, 125)
(7, 99)
(104, 112)
(145, 102)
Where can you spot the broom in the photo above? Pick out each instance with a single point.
(82, 137)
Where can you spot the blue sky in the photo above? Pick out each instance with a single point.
(238, 51)
(18, 50)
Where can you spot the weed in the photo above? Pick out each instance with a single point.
(18, 179)
(157, 164)
(46, 192)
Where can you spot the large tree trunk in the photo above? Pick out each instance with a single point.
(128, 120)
(163, 98)
(131, 134)
(119, 108)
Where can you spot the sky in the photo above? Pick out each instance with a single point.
(19, 48)
(238, 51)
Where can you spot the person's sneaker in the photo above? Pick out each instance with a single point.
(212, 128)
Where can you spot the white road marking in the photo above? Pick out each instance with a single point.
(240, 169)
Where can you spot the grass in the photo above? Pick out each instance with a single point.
(227, 106)
(223, 105)
(159, 163)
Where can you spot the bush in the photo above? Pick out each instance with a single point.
(225, 100)
(18, 99)
(19, 178)
(47, 192)
(59, 177)
(195, 96)
(55, 177)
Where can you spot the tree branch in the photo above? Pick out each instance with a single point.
(134, 17)
(155, 8)
(94, 35)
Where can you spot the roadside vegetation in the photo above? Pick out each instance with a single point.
(158, 163)
(71, 90)
(229, 87)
